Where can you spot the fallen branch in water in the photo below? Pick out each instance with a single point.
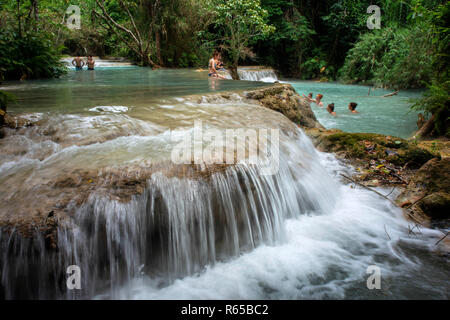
(408, 210)
(391, 94)
(366, 187)
(387, 232)
(442, 238)
(415, 202)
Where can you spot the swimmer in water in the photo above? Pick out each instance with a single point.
(352, 107)
(78, 63)
(330, 109)
(318, 100)
(309, 98)
(90, 63)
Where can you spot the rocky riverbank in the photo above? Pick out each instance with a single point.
(422, 174)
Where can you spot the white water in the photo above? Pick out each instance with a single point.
(323, 255)
(263, 75)
(299, 234)
(100, 63)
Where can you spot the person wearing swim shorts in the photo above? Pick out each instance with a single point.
(78, 63)
(90, 63)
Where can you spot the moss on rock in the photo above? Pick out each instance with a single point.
(370, 146)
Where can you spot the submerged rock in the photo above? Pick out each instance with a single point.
(55, 199)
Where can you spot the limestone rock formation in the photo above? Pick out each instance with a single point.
(284, 99)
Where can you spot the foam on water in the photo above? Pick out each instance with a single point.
(323, 256)
(112, 109)
(231, 234)
(249, 74)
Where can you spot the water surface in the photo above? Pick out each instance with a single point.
(389, 116)
(130, 86)
(297, 234)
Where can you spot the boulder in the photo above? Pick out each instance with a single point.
(284, 99)
(428, 193)
(363, 147)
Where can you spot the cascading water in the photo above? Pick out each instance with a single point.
(258, 75)
(141, 227)
(175, 228)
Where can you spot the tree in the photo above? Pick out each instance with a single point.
(128, 32)
(240, 22)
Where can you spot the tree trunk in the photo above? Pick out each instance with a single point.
(158, 48)
(134, 41)
(234, 73)
(19, 22)
(35, 10)
(427, 128)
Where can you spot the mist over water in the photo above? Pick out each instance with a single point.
(207, 232)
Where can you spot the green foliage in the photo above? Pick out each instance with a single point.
(436, 102)
(5, 99)
(31, 55)
(390, 57)
(241, 22)
(189, 60)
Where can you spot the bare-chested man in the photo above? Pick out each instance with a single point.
(78, 63)
(90, 63)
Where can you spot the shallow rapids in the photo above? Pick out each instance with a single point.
(100, 181)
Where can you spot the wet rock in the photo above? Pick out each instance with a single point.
(278, 97)
(17, 121)
(428, 193)
(390, 161)
(284, 99)
(55, 200)
(363, 147)
(436, 205)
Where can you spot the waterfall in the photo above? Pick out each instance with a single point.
(140, 226)
(175, 228)
(264, 75)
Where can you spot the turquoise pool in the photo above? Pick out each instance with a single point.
(390, 116)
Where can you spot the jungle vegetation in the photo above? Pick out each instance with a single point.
(306, 39)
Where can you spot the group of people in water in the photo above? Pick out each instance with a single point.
(330, 108)
(79, 63)
(215, 66)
